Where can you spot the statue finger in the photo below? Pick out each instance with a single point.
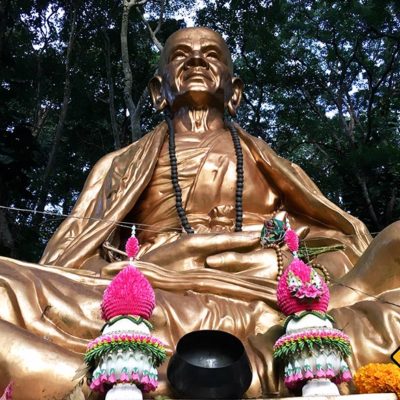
(221, 242)
(230, 261)
(235, 262)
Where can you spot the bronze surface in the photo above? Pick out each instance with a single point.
(215, 279)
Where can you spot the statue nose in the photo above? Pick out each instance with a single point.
(196, 60)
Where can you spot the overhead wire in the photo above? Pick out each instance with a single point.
(122, 224)
(143, 227)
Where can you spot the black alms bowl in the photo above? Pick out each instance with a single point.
(210, 365)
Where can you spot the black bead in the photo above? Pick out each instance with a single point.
(175, 177)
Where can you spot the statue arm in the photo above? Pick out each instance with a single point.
(302, 197)
(110, 193)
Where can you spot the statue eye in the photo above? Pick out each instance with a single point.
(178, 55)
(212, 54)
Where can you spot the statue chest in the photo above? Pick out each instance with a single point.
(207, 177)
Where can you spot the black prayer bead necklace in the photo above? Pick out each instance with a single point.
(175, 177)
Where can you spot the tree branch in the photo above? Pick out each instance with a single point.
(161, 19)
(151, 32)
(61, 122)
(113, 120)
(127, 68)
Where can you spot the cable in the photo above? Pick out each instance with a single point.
(122, 224)
(129, 225)
(365, 293)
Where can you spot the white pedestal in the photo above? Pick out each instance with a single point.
(374, 396)
(320, 387)
(124, 391)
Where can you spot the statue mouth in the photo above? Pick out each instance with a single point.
(197, 73)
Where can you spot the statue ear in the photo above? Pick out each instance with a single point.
(237, 90)
(159, 101)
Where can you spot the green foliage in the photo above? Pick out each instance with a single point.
(321, 86)
(322, 83)
(155, 352)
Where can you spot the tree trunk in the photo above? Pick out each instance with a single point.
(41, 113)
(4, 4)
(113, 120)
(6, 237)
(40, 205)
(130, 105)
(390, 205)
(365, 193)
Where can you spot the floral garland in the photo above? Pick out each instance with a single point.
(302, 314)
(146, 381)
(378, 378)
(294, 343)
(279, 232)
(125, 341)
(133, 318)
(310, 290)
(295, 374)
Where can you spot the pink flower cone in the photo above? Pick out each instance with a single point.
(132, 247)
(312, 299)
(292, 240)
(129, 293)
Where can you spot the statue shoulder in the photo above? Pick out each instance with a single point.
(150, 142)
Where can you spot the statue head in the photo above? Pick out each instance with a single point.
(196, 71)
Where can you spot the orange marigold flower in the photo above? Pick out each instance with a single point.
(378, 378)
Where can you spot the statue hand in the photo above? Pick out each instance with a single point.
(191, 251)
(260, 262)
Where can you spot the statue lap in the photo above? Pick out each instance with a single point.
(50, 313)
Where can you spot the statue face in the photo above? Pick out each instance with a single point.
(196, 70)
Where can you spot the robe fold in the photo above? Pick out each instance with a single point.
(53, 308)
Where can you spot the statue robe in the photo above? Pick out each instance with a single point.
(53, 308)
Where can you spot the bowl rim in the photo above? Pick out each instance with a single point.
(238, 359)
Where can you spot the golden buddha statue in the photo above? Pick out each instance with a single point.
(199, 190)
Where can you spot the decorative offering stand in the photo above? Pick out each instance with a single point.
(312, 350)
(123, 361)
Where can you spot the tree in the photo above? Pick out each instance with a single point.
(322, 87)
(62, 85)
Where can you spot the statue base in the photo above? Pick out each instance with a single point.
(124, 391)
(320, 387)
(373, 396)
